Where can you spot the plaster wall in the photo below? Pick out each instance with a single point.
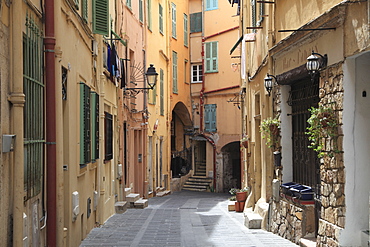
(286, 136)
(356, 143)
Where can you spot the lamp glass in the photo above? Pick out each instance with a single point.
(313, 63)
(268, 83)
(151, 76)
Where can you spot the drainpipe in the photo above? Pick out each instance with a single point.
(51, 178)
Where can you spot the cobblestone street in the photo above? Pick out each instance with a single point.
(187, 219)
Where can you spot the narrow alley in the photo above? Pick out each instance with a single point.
(185, 218)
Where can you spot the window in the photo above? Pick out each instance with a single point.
(94, 126)
(210, 117)
(211, 4)
(108, 133)
(186, 71)
(254, 14)
(174, 72)
(173, 15)
(33, 88)
(149, 8)
(128, 3)
(186, 40)
(101, 17)
(160, 19)
(77, 4)
(196, 22)
(85, 125)
(211, 57)
(161, 83)
(141, 14)
(89, 125)
(262, 13)
(85, 11)
(196, 73)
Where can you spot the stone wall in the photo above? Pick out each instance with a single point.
(332, 218)
(291, 220)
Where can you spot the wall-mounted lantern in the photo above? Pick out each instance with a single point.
(269, 83)
(315, 63)
(151, 79)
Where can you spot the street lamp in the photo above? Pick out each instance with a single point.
(316, 62)
(269, 83)
(151, 79)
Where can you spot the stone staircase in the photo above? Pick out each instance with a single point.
(132, 201)
(200, 169)
(197, 183)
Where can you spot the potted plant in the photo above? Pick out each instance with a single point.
(323, 123)
(270, 128)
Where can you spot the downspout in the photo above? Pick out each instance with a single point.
(51, 178)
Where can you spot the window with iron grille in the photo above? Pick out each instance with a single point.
(33, 88)
(85, 125)
(108, 133)
(304, 95)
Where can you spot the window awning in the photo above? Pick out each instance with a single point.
(236, 44)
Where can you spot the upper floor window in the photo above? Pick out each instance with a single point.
(160, 19)
(101, 17)
(173, 17)
(196, 22)
(186, 40)
(211, 57)
(128, 3)
(211, 4)
(174, 72)
(210, 117)
(196, 73)
(141, 14)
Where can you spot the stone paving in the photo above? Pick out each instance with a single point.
(186, 219)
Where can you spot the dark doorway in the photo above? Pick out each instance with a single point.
(231, 166)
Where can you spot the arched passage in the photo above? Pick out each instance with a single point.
(231, 166)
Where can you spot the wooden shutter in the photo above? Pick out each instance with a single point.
(85, 11)
(161, 83)
(94, 126)
(196, 22)
(101, 17)
(186, 43)
(210, 118)
(174, 72)
(173, 9)
(141, 14)
(212, 56)
(85, 125)
(108, 129)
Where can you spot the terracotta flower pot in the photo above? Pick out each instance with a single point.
(241, 196)
(239, 206)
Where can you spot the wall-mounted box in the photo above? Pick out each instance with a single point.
(8, 143)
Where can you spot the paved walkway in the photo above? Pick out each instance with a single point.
(186, 219)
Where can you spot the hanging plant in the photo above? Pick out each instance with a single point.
(323, 123)
(270, 128)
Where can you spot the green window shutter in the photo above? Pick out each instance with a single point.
(174, 72)
(77, 4)
(212, 57)
(160, 19)
(254, 13)
(149, 10)
(94, 126)
(186, 41)
(210, 118)
(85, 125)
(161, 83)
(196, 22)
(101, 17)
(85, 11)
(173, 11)
(128, 3)
(141, 14)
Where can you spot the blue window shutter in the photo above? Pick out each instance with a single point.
(210, 118)
(196, 22)
(173, 20)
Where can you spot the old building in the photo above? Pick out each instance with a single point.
(215, 88)
(279, 39)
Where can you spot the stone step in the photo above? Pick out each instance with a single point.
(141, 203)
(163, 193)
(120, 207)
(197, 186)
(201, 179)
(127, 191)
(132, 197)
(193, 189)
(252, 220)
